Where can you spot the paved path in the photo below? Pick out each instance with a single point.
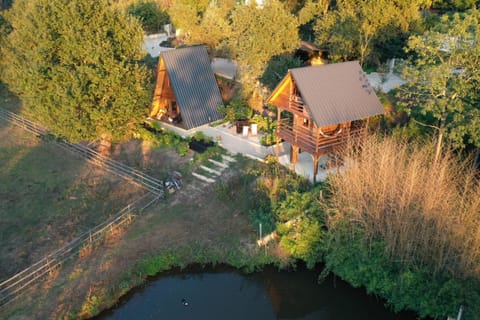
(250, 146)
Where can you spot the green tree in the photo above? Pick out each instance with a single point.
(294, 5)
(350, 29)
(202, 22)
(444, 79)
(277, 68)
(454, 5)
(301, 226)
(310, 12)
(258, 34)
(186, 15)
(75, 65)
(150, 14)
(5, 4)
(313, 9)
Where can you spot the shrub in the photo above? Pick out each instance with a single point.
(155, 264)
(265, 217)
(160, 138)
(268, 127)
(236, 109)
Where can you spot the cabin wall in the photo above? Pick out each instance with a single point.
(298, 128)
(164, 101)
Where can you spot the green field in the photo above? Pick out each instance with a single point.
(49, 196)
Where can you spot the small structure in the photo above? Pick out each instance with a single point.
(314, 54)
(186, 92)
(319, 107)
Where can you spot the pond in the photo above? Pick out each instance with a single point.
(223, 293)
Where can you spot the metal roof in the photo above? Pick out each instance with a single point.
(194, 85)
(336, 93)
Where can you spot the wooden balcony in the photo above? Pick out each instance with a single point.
(312, 141)
(293, 104)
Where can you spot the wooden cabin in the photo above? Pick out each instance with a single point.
(319, 107)
(186, 92)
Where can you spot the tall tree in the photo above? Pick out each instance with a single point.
(444, 79)
(277, 68)
(75, 65)
(186, 15)
(258, 34)
(313, 9)
(150, 13)
(202, 22)
(454, 5)
(349, 30)
(308, 14)
(5, 4)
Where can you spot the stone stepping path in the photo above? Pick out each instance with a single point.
(211, 173)
(218, 164)
(228, 158)
(203, 178)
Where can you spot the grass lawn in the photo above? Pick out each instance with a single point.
(198, 224)
(49, 196)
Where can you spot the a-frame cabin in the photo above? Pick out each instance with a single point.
(319, 108)
(186, 92)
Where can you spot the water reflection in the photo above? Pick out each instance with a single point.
(267, 295)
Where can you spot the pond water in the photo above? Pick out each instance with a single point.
(223, 293)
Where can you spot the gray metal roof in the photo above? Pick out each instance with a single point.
(336, 93)
(194, 85)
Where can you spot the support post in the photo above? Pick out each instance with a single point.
(315, 167)
(294, 155)
(277, 146)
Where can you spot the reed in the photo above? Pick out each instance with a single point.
(427, 214)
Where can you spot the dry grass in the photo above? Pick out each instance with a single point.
(49, 196)
(427, 214)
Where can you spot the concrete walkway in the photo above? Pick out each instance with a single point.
(225, 135)
(386, 82)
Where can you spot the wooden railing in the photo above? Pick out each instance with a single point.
(15, 286)
(296, 105)
(311, 141)
(292, 104)
(136, 176)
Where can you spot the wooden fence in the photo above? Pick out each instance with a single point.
(154, 185)
(18, 284)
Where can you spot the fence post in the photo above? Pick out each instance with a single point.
(48, 266)
(460, 312)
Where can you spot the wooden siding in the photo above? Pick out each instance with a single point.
(311, 140)
(299, 129)
(163, 94)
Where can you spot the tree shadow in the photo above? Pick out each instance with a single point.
(49, 197)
